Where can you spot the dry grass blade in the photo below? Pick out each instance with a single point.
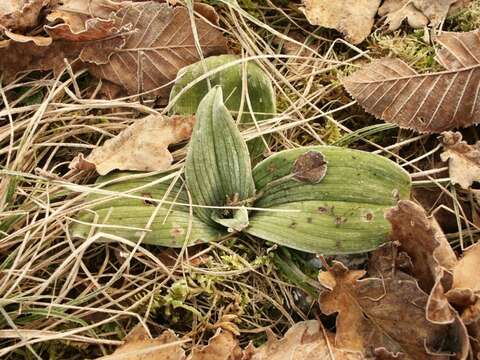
(163, 42)
(391, 90)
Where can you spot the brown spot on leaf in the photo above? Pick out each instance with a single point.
(310, 167)
(177, 231)
(147, 201)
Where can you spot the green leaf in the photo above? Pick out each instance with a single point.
(124, 216)
(258, 89)
(218, 169)
(342, 213)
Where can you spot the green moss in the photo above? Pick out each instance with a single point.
(464, 19)
(410, 48)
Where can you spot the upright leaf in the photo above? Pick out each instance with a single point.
(218, 170)
(393, 91)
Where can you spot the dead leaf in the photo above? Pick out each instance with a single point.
(431, 255)
(99, 40)
(304, 340)
(222, 346)
(75, 13)
(463, 159)
(142, 147)
(161, 44)
(386, 312)
(37, 40)
(310, 167)
(352, 18)
(422, 239)
(418, 13)
(434, 102)
(20, 15)
(140, 346)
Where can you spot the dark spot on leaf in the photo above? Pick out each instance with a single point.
(368, 216)
(309, 220)
(146, 201)
(339, 220)
(177, 231)
(310, 167)
(293, 224)
(322, 209)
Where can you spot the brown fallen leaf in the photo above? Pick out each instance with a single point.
(352, 18)
(75, 13)
(99, 40)
(391, 90)
(418, 13)
(463, 159)
(304, 340)
(140, 346)
(386, 312)
(162, 44)
(422, 239)
(142, 146)
(222, 346)
(20, 15)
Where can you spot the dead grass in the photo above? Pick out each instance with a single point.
(65, 298)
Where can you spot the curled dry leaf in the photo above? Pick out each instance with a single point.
(418, 13)
(430, 253)
(386, 312)
(20, 15)
(463, 159)
(140, 346)
(100, 39)
(304, 340)
(422, 239)
(434, 102)
(143, 146)
(75, 13)
(222, 346)
(161, 44)
(352, 18)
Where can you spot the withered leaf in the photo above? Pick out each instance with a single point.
(222, 346)
(352, 18)
(140, 346)
(418, 13)
(20, 15)
(386, 312)
(75, 13)
(463, 159)
(99, 40)
(162, 43)
(434, 102)
(310, 167)
(304, 340)
(143, 146)
(422, 239)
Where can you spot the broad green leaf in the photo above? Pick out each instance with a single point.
(218, 169)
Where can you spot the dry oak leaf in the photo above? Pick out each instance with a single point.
(429, 103)
(304, 340)
(465, 291)
(140, 346)
(352, 18)
(463, 159)
(430, 253)
(20, 15)
(386, 312)
(99, 40)
(75, 13)
(161, 44)
(222, 346)
(418, 13)
(143, 146)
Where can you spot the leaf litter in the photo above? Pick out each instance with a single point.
(416, 297)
